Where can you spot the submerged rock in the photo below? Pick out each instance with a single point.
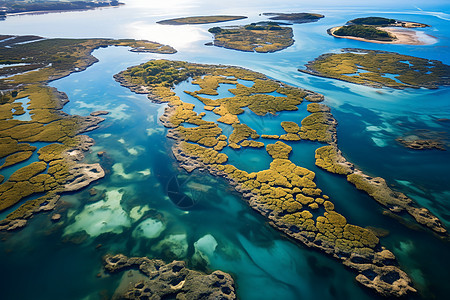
(159, 280)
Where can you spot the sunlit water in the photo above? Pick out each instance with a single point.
(137, 216)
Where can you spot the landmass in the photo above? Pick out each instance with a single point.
(47, 148)
(380, 69)
(12, 7)
(298, 18)
(262, 38)
(421, 139)
(380, 30)
(200, 20)
(153, 279)
(285, 193)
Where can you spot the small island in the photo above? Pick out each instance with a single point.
(200, 20)
(380, 30)
(297, 18)
(256, 37)
(380, 69)
(12, 7)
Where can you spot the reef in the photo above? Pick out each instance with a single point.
(422, 139)
(380, 69)
(200, 20)
(253, 37)
(298, 18)
(158, 280)
(285, 193)
(56, 166)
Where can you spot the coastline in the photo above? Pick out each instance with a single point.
(402, 36)
(42, 12)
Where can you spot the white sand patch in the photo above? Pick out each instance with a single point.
(149, 229)
(138, 211)
(151, 131)
(120, 171)
(145, 172)
(118, 113)
(101, 217)
(205, 247)
(105, 135)
(379, 142)
(133, 151)
(121, 140)
(175, 243)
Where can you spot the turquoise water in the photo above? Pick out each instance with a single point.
(25, 102)
(219, 227)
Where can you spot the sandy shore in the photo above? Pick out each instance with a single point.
(403, 36)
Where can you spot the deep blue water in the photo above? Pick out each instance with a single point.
(233, 238)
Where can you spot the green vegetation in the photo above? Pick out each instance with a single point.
(253, 37)
(295, 17)
(410, 71)
(379, 21)
(365, 32)
(285, 193)
(55, 172)
(200, 20)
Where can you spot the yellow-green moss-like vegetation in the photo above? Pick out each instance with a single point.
(409, 71)
(241, 132)
(285, 193)
(319, 126)
(50, 59)
(279, 150)
(200, 20)
(253, 37)
(330, 159)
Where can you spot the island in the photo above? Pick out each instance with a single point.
(12, 7)
(380, 30)
(256, 37)
(380, 69)
(47, 145)
(297, 18)
(285, 193)
(153, 279)
(421, 139)
(200, 20)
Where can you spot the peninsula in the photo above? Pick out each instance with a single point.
(200, 20)
(263, 38)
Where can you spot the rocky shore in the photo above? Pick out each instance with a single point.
(158, 280)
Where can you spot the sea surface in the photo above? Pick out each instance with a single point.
(134, 210)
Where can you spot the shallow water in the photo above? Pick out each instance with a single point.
(214, 223)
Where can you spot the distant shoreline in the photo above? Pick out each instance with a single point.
(402, 36)
(41, 12)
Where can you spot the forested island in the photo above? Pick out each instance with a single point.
(297, 18)
(200, 20)
(259, 37)
(379, 30)
(380, 69)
